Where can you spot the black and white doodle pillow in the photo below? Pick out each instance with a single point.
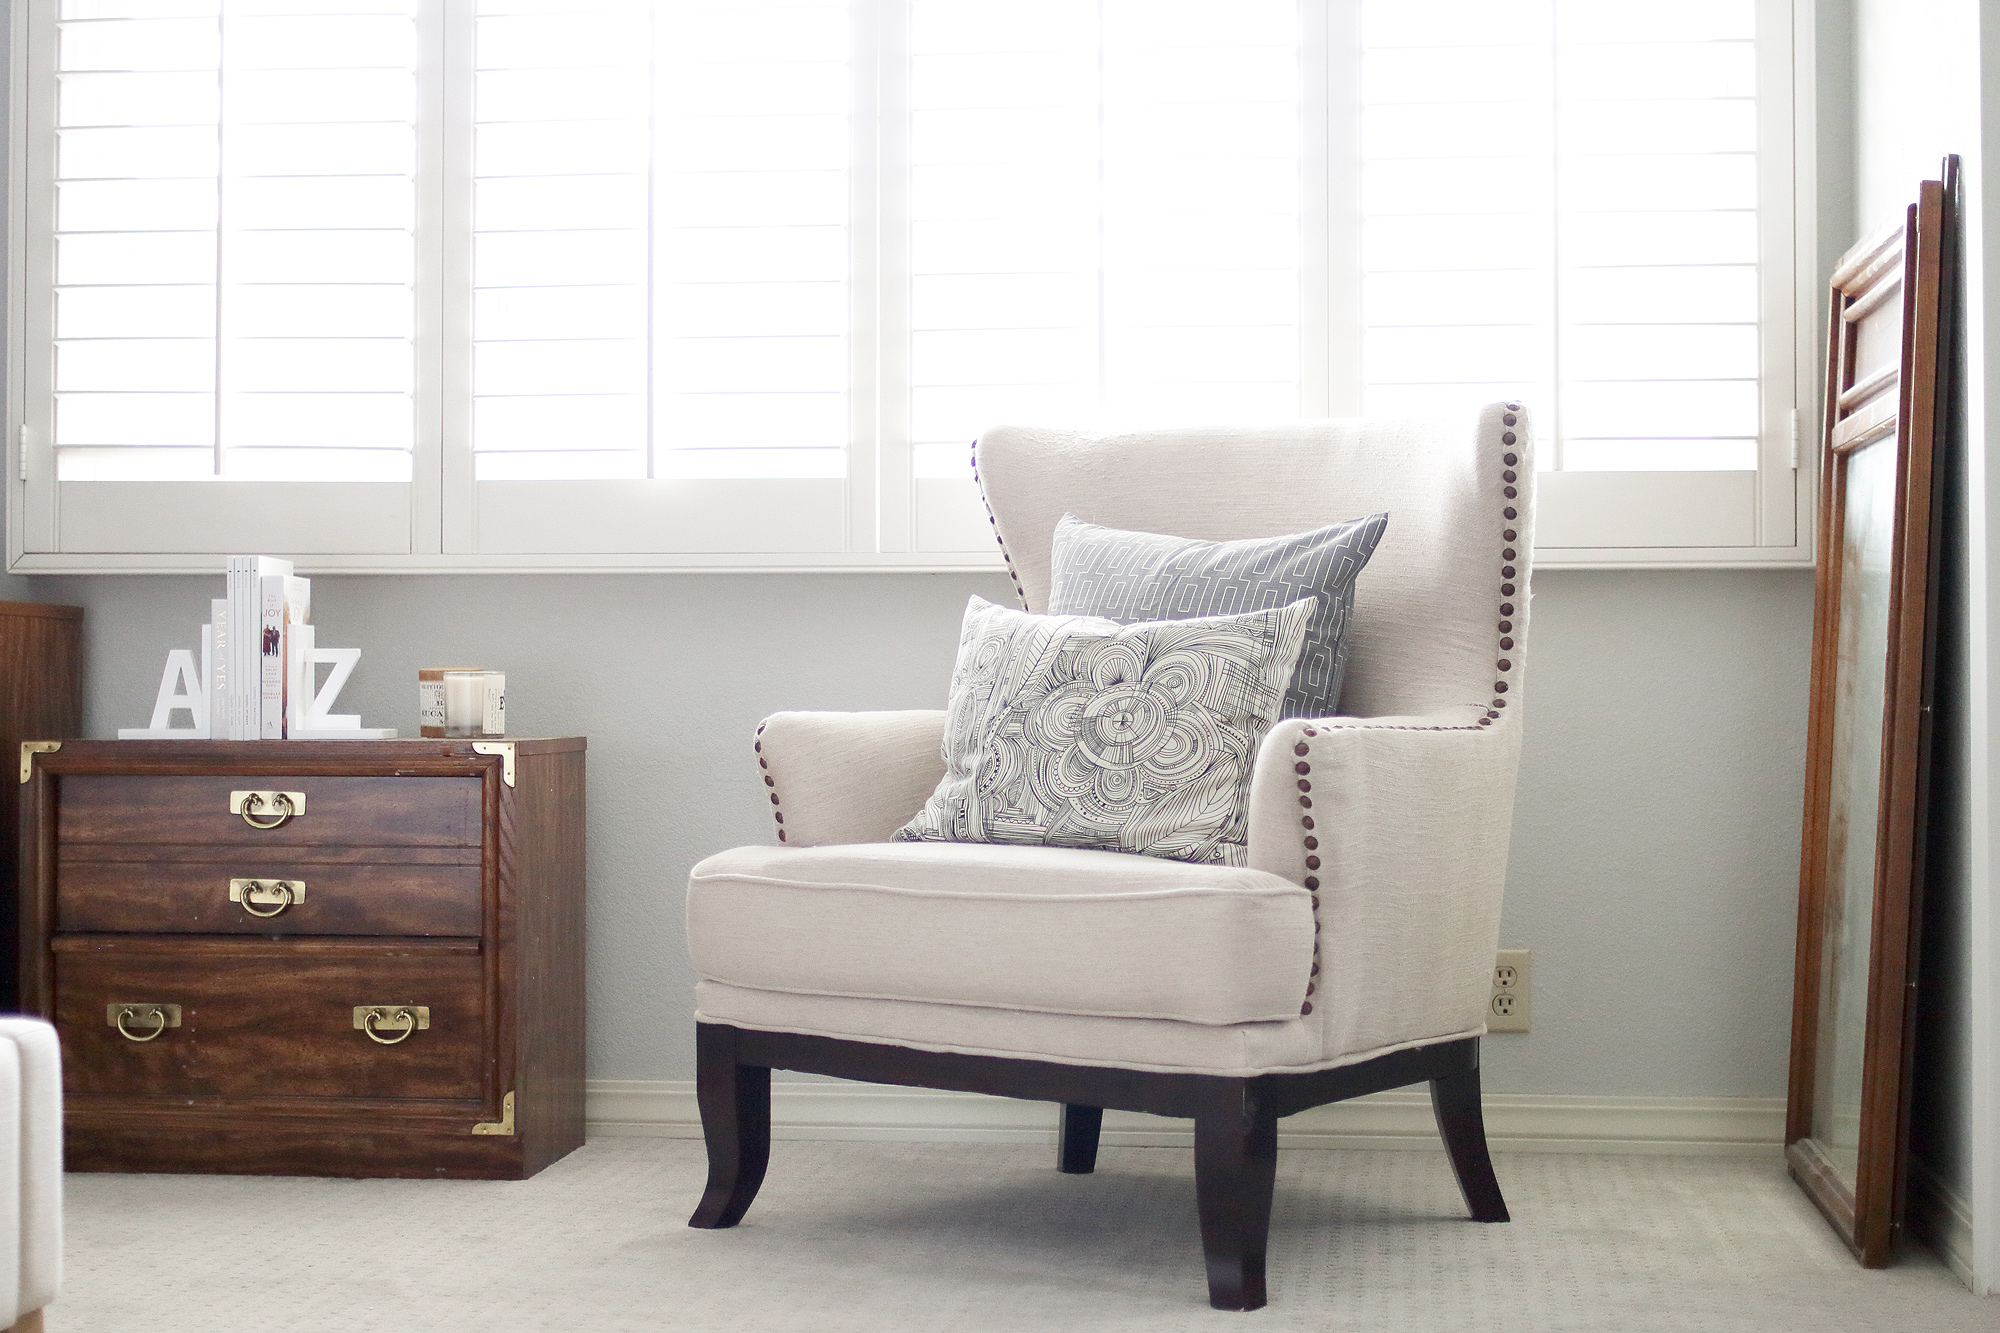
(1075, 731)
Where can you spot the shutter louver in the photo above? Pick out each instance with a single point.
(661, 204)
(235, 213)
(1105, 228)
(1560, 204)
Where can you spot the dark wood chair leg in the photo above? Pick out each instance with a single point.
(1235, 1166)
(1076, 1139)
(735, 1101)
(1455, 1101)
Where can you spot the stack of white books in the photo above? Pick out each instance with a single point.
(257, 679)
(249, 663)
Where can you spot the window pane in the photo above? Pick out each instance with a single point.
(1594, 253)
(581, 366)
(136, 257)
(135, 363)
(142, 154)
(139, 99)
(661, 239)
(602, 422)
(1105, 218)
(348, 365)
(375, 421)
(236, 201)
(182, 205)
(137, 419)
(562, 312)
(134, 312)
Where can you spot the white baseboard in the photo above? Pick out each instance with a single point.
(1402, 1119)
(1935, 1214)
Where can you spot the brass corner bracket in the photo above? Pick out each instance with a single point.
(505, 749)
(505, 1124)
(29, 749)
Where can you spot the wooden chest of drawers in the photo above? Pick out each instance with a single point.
(41, 694)
(352, 958)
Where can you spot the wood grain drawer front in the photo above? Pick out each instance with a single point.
(190, 897)
(272, 1019)
(181, 809)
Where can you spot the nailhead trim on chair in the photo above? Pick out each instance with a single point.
(1507, 568)
(994, 523)
(1304, 769)
(770, 783)
(1502, 665)
(1507, 573)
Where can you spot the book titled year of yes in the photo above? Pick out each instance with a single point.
(286, 602)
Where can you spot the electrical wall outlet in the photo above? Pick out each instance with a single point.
(1508, 1009)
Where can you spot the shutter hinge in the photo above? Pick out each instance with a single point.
(1795, 439)
(24, 450)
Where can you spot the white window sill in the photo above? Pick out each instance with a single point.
(911, 562)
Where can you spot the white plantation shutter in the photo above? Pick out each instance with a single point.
(555, 283)
(561, 257)
(136, 212)
(1104, 217)
(661, 240)
(233, 211)
(317, 253)
(660, 276)
(1564, 202)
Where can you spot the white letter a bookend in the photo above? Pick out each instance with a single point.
(183, 689)
(309, 705)
(244, 674)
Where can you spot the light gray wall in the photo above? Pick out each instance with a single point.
(1916, 97)
(1655, 859)
(1656, 848)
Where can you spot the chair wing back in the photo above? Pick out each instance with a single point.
(1458, 492)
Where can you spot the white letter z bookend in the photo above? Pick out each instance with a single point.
(182, 689)
(308, 705)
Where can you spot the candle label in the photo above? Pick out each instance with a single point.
(494, 720)
(430, 707)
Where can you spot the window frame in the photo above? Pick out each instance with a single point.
(882, 507)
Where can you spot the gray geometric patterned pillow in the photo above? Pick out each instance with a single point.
(1071, 731)
(1129, 576)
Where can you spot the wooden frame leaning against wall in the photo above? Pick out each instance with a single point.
(1874, 631)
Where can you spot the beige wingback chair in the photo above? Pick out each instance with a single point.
(1353, 953)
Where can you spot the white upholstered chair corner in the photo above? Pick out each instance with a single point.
(1352, 954)
(30, 1171)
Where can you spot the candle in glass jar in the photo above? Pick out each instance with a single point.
(464, 702)
(430, 698)
(474, 703)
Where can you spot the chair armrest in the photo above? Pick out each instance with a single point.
(34, 1062)
(848, 777)
(1406, 846)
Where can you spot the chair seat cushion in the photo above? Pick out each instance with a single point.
(1044, 929)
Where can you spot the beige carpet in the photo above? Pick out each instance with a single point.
(869, 1236)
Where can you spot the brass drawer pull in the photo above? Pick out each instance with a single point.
(276, 894)
(160, 1016)
(251, 804)
(406, 1018)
